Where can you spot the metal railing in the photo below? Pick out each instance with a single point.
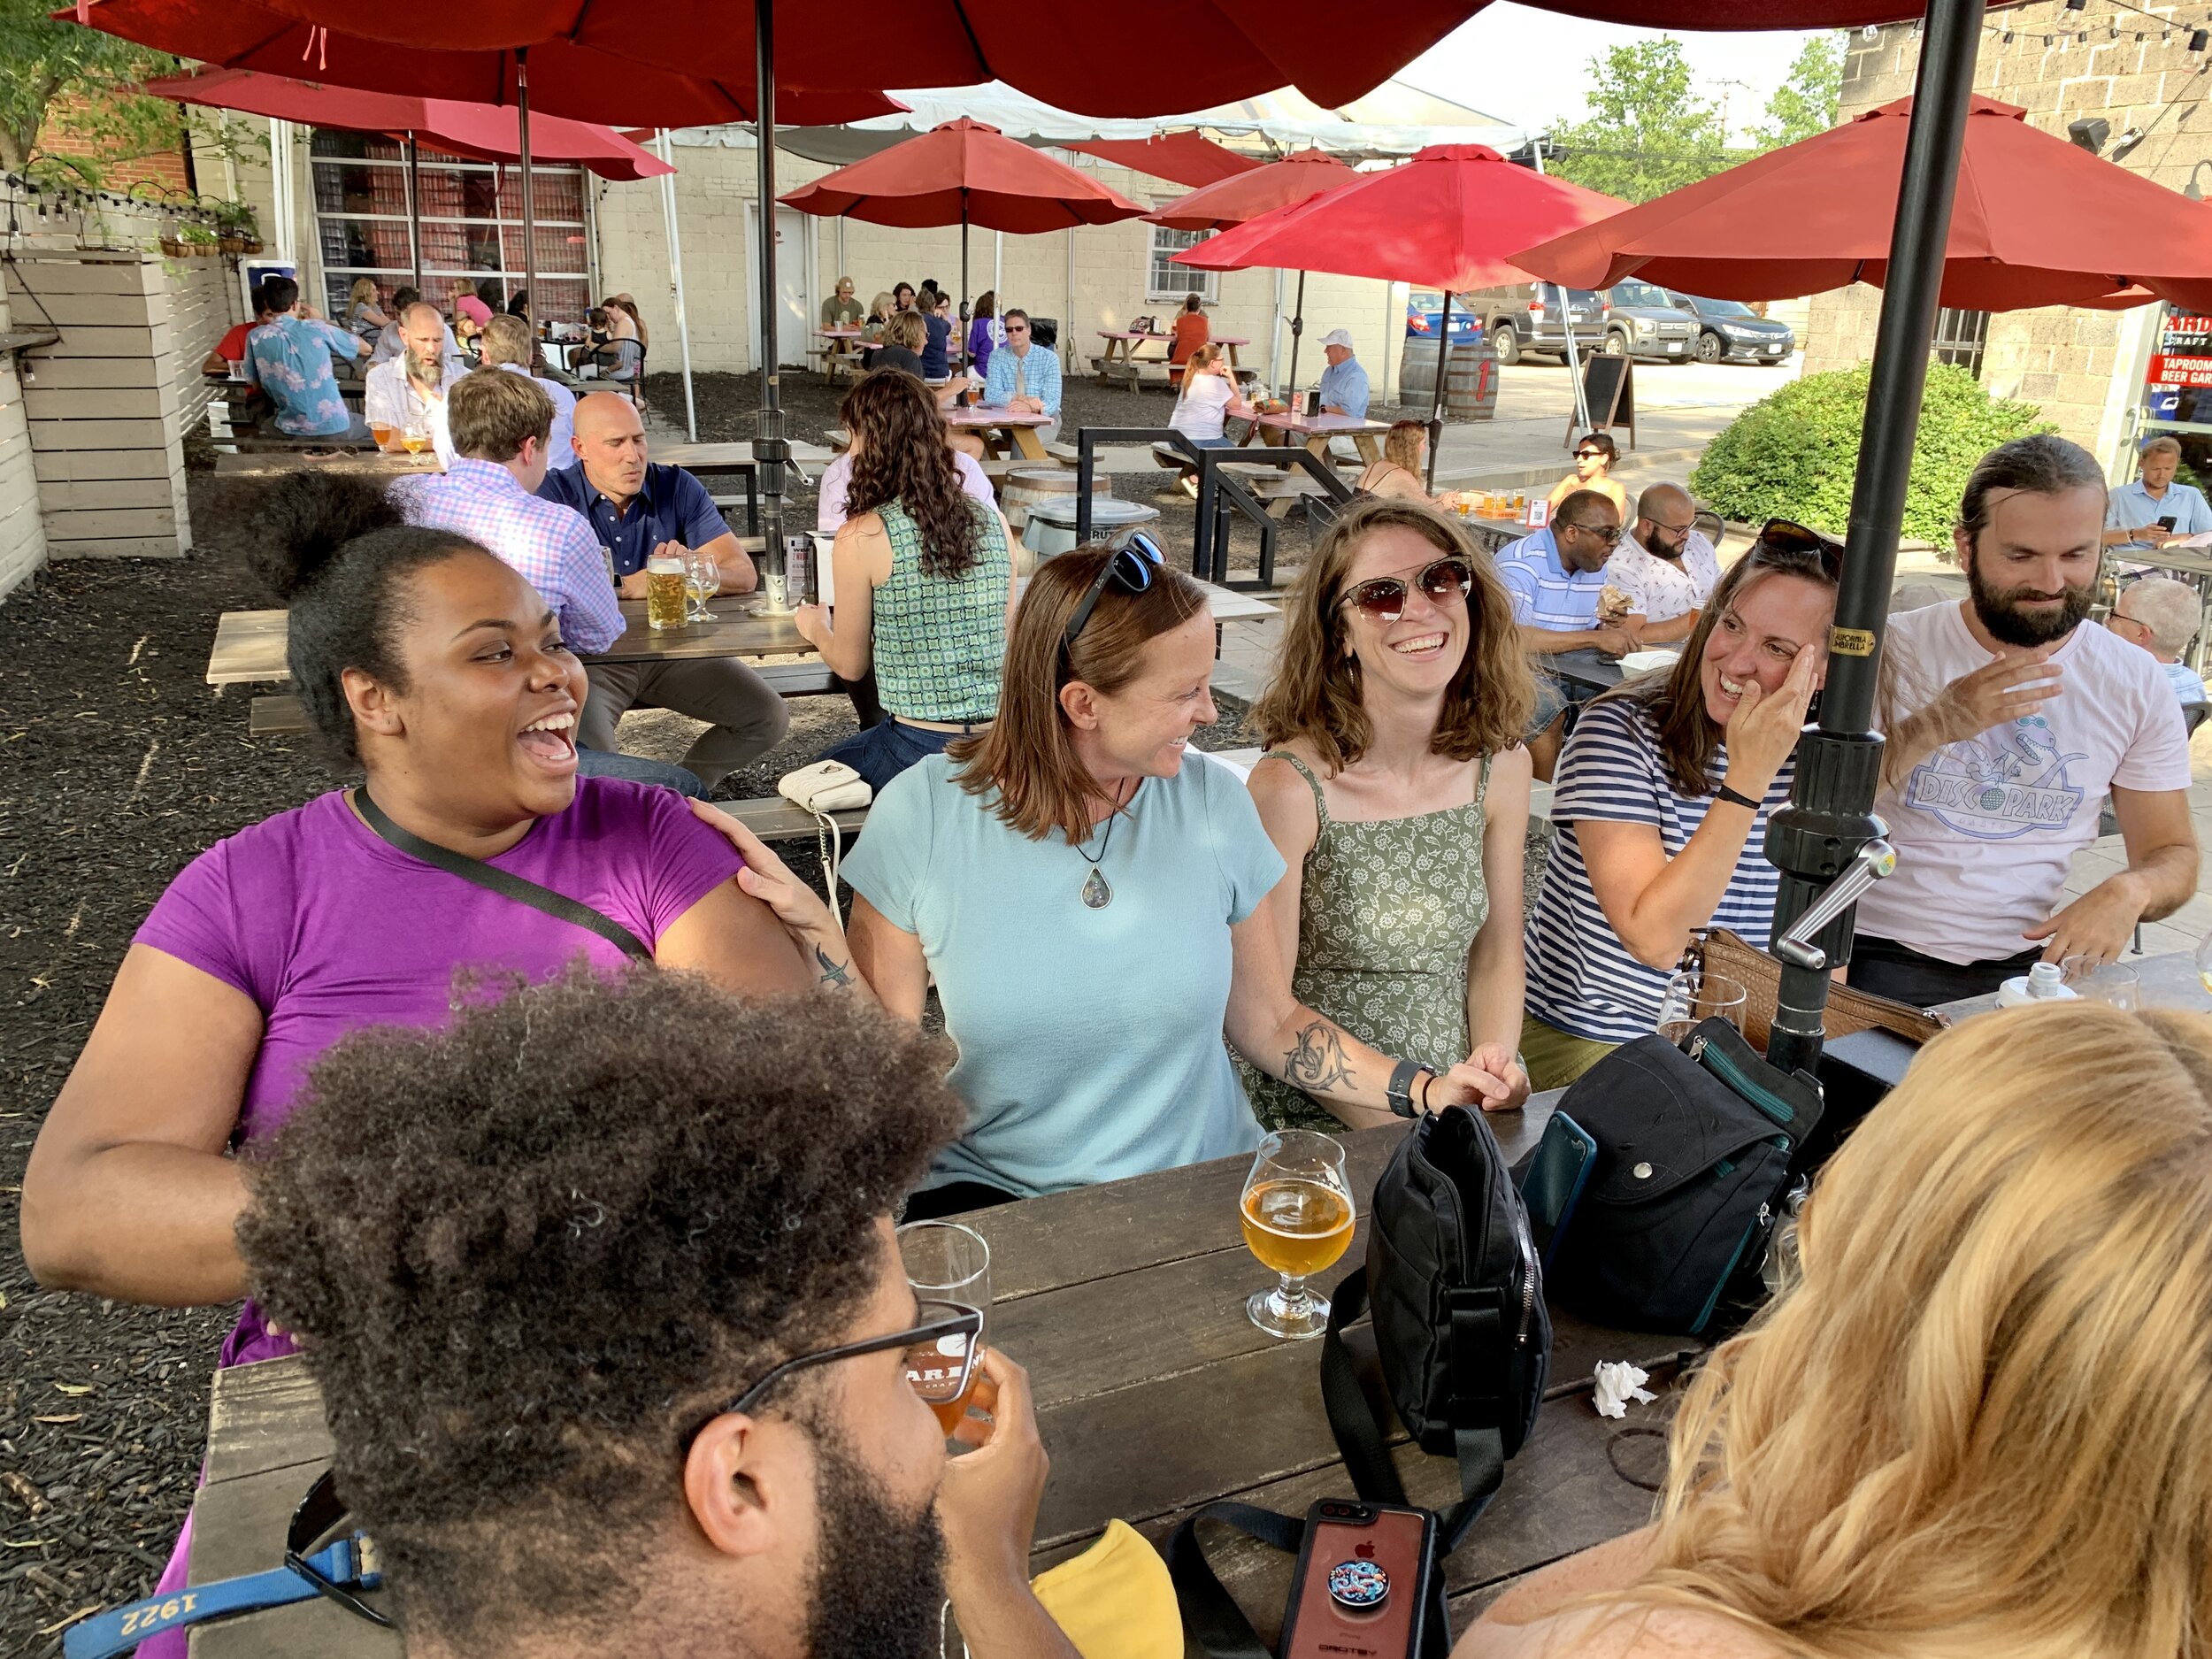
(1222, 496)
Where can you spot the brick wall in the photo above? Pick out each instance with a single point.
(2080, 365)
(164, 167)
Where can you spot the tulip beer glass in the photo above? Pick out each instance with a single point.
(946, 1262)
(665, 604)
(1297, 1214)
(702, 580)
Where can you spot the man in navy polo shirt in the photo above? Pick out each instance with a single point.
(637, 509)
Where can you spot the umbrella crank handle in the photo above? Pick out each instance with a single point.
(1875, 860)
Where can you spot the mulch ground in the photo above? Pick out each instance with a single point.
(118, 765)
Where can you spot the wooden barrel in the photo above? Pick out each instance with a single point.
(1028, 484)
(1416, 374)
(1470, 382)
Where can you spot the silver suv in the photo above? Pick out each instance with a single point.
(1524, 319)
(1645, 322)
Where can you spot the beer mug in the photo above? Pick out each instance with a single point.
(664, 602)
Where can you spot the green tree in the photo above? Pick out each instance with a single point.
(94, 77)
(1805, 104)
(1647, 132)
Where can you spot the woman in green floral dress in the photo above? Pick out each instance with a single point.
(1396, 788)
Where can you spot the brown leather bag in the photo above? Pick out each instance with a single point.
(1719, 950)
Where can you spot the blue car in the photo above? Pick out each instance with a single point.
(1424, 316)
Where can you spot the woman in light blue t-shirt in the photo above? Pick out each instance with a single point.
(1088, 899)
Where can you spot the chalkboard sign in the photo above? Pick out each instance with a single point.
(1609, 390)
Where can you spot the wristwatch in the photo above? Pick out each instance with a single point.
(1400, 1088)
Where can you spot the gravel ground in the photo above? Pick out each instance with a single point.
(118, 764)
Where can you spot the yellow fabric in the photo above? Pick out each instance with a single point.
(1115, 1600)
(1556, 1058)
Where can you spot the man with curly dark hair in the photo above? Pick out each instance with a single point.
(539, 1260)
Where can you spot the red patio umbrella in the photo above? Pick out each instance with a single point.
(2034, 221)
(485, 131)
(964, 172)
(1297, 177)
(1190, 159)
(1445, 219)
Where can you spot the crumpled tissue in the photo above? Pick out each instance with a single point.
(1618, 1383)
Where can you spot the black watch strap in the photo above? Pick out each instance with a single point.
(1400, 1088)
(1737, 798)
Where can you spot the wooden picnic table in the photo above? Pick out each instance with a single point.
(1121, 361)
(1586, 671)
(1155, 1395)
(364, 461)
(842, 352)
(1002, 428)
(1316, 430)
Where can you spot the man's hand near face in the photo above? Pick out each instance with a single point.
(988, 1506)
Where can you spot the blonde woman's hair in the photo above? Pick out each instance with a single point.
(1204, 357)
(1316, 692)
(1982, 1424)
(362, 292)
(1402, 444)
(879, 307)
(1028, 754)
(905, 329)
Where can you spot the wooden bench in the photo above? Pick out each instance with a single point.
(281, 714)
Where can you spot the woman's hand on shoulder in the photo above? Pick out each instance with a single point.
(768, 879)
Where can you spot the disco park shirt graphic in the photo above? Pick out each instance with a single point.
(2009, 781)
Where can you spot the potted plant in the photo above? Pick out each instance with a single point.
(199, 239)
(235, 227)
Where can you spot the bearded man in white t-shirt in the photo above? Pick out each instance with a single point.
(2009, 724)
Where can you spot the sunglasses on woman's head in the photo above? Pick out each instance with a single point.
(1384, 597)
(1786, 536)
(1130, 569)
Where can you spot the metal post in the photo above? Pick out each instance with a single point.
(1574, 365)
(1436, 393)
(414, 208)
(529, 198)
(960, 313)
(770, 452)
(676, 283)
(1830, 817)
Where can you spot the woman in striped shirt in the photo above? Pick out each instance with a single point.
(1661, 804)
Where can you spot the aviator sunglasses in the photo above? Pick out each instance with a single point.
(1384, 597)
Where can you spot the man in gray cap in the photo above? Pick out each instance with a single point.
(1343, 383)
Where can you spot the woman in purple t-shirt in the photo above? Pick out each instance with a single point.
(438, 669)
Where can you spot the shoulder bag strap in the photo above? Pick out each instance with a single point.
(1210, 1615)
(509, 887)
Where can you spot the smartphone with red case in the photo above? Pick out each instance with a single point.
(1361, 1589)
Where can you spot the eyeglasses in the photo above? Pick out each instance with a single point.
(1590, 454)
(940, 1351)
(1608, 533)
(1785, 535)
(1130, 569)
(1384, 597)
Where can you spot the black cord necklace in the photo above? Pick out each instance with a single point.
(1097, 892)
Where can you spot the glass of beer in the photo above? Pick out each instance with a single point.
(1297, 1214)
(946, 1262)
(702, 580)
(382, 431)
(415, 438)
(664, 606)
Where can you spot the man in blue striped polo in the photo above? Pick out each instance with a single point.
(1556, 576)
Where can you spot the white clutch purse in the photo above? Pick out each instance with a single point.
(827, 785)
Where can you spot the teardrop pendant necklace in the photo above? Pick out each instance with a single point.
(1097, 893)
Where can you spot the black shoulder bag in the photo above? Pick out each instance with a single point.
(508, 886)
(1463, 1339)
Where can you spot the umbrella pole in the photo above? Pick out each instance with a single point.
(676, 284)
(1574, 364)
(962, 311)
(1436, 395)
(414, 206)
(1830, 817)
(1297, 327)
(769, 451)
(529, 200)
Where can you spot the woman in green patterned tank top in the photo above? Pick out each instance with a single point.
(1396, 788)
(923, 579)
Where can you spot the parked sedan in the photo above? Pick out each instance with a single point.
(1729, 331)
(1645, 322)
(1424, 315)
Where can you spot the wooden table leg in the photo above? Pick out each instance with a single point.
(1031, 447)
(1369, 449)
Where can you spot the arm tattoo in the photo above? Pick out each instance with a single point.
(836, 973)
(1315, 1062)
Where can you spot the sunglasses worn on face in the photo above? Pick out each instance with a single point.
(940, 1350)
(1384, 597)
(1785, 535)
(1589, 455)
(1130, 570)
(1608, 533)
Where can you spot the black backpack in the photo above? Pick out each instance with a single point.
(1694, 1153)
(1463, 1340)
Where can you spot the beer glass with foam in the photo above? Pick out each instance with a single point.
(1297, 1213)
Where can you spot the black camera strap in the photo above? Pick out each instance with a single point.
(573, 911)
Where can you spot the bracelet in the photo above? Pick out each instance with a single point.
(1736, 798)
(1427, 1078)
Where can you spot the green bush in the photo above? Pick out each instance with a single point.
(1793, 455)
